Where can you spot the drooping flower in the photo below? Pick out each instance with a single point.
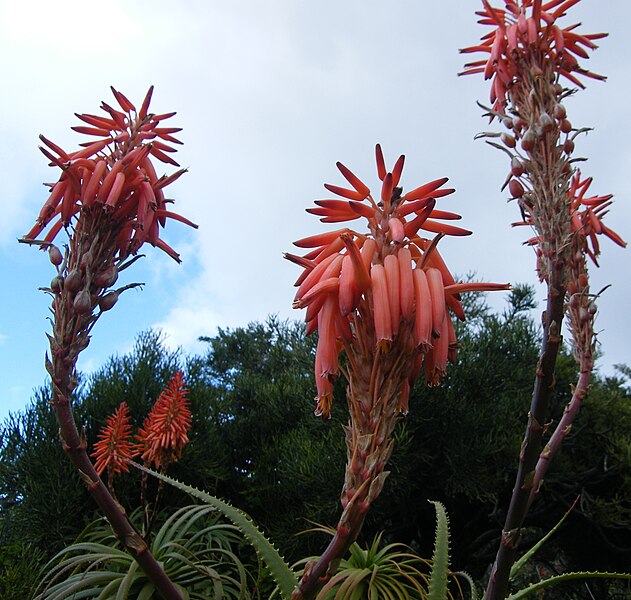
(115, 445)
(164, 433)
(384, 291)
(112, 180)
(526, 33)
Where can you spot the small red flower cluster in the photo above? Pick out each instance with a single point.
(160, 440)
(115, 175)
(164, 433)
(526, 27)
(390, 287)
(115, 446)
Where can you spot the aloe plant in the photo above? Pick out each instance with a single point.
(195, 548)
(267, 553)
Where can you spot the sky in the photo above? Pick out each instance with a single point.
(270, 95)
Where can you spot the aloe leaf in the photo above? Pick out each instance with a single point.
(519, 564)
(440, 558)
(280, 571)
(464, 575)
(541, 585)
(130, 576)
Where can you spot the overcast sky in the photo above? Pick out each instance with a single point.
(270, 95)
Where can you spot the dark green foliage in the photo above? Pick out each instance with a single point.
(256, 443)
(19, 569)
(197, 549)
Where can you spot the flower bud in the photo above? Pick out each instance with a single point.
(108, 301)
(507, 122)
(515, 188)
(566, 126)
(54, 254)
(82, 302)
(529, 140)
(560, 112)
(517, 167)
(106, 278)
(73, 281)
(568, 146)
(57, 283)
(546, 122)
(508, 140)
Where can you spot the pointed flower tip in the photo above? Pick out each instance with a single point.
(114, 446)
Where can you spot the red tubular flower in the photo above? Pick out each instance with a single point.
(164, 433)
(348, 278)
(115, 446)
(384, 297)
(113, 179)
(527, 27)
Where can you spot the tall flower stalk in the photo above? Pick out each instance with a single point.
(384, 298)
(530, 57)
(110, 202)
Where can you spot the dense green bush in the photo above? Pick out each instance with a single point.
(256, 443)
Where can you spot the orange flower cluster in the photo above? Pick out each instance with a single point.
(115, 175)
(115, 446)
(389, 287)
(164, 433)
(525, 27)
(160, 440)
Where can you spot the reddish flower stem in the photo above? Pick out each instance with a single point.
(562, 430)
(347, 531)
(91, 246)
(531, 446)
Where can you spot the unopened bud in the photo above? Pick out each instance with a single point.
(106, 278)
(54, 254)
(560, 112)
(57, 283)
(566, 126)
(546, 122)
(518, 123)
(507, 122)
(517, 167)
(515, 188)
(108, 301)
(82, 302)
(568, 146)
(529, 140)
(508, 140)
(73, 281)
(592, 308)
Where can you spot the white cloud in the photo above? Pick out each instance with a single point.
(270, 95)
